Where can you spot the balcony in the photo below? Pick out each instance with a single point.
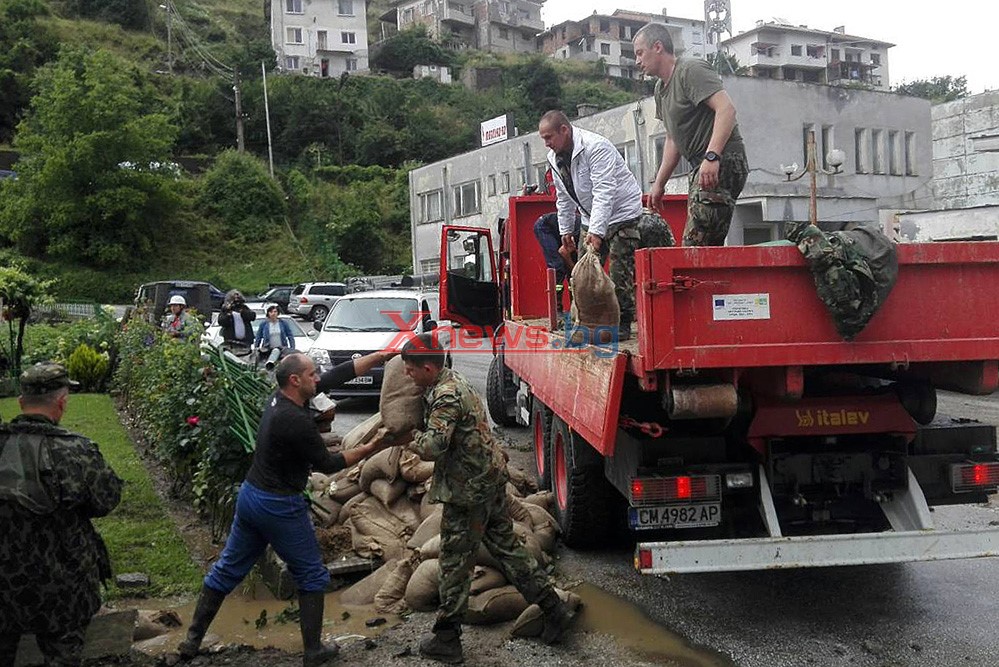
(515, 18)
(455, 15)
(844, 70)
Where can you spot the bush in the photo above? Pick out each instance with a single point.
(88, 367)
(239, 193)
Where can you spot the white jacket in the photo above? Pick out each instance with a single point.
(607, 191)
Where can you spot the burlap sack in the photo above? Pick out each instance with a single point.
(512, 490)
(358, 497)
(363, 432)
(375, 531)
(390, 598)
(383, 465)
(526, 484)
(594, 303)
(518, 512)
(426, 506)
(495, 606)
(486, 578)
(363, 592)
(318, 482)
(149, 624)
(413, 468)
(432, 549)
(430, 527)
(545, 526)
(408, 511)
(326, 510)
(343, 490)
(422, 592)
(388, 492)
(401, 403)
(530, 623)
(543, 499)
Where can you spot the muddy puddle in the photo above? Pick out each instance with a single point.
(632, 629)
(258, 619)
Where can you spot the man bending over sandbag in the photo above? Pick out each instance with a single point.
(469, 479)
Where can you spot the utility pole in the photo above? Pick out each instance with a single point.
(240, 144)
(166, 8)
(267, 117)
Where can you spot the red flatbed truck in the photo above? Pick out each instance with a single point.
(737, 430)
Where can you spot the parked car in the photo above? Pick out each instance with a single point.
(154, 297)
(366, 322)
(303, 338)
(277, 295)
(218, 296)
(314, 300)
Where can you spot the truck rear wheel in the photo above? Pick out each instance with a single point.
(541, 426)
(495, 393)
(583, 499)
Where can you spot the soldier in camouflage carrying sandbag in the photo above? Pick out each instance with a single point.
(854, 271)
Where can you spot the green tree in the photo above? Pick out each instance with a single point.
(938, 89)
(95, 184)
(25, 44)
(401, 53)
(726, 63)
(239, 193)
(130, 14)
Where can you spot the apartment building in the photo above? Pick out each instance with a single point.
(609, 37)
(498, 26)
(778, 50)
(322, 38)
(886, 139)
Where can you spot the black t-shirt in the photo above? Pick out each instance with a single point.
(289, 446)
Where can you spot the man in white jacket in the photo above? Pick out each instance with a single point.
(591, 177)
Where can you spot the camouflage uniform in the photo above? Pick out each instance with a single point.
(709, 212)
(647, 231)
(470, 480)
(52, 483)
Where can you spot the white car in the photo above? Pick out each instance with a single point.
(366, 322)
(303, 339)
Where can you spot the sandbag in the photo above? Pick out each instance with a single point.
(543, 499)
(495, 606)
(545, 526)
(530, 623)
(413, 468)
(526, 484)
(383, 465)
(375, 531)
(318, 482)
(431, 549)
(388, 492)
(517, 510)
(407, 511)
(653, 232)
(363, 432)
(512, 490)
(150, 623)
(401, 402)
(326, 510)
(363, 592)
(422, 591)
(594, 303)
(390, 598)
(343, 490)
(486, 578)
(358, 497)
(427, 507)
(430, 527)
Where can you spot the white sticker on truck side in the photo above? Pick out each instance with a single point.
(741, 306)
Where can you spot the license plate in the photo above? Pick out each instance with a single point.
(696, 515)
(364, 379)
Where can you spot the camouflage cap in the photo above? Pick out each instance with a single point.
(45, 377)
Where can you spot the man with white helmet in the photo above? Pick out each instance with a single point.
(178, 323)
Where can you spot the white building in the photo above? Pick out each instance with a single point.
(778, 50)
(321, 38)
(966, 151)
(885, 137)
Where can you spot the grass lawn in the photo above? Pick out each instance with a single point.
(139, 533)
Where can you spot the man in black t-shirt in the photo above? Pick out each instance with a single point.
(271, 508)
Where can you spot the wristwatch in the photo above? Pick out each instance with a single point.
(711, 156)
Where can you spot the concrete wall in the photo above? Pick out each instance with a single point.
(771, 114)
(964, 172)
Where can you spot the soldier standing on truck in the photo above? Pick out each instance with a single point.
(591, 177)
(470, 481)
(700, 125)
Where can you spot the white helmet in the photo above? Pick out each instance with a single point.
(177, 300)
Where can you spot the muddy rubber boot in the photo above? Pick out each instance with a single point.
(208, 605)
(444, 645)
(311, 621)
(557, 618)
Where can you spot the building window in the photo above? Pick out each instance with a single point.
(834, 55)
(813, 51)
(630, 155)
(796, 49)
(875, 59)
(604, 49)
(407, 16)
(322, 43)
(893, 161)
(910, 153)
(430, 265)
(351, 64)
(755, 233)
(505, 182)
(491, 185)
(877, 152)
(348, 37)
(605, 26)
(291, 62)
(466, 199)
(430, 206)
(860, 150)
(825, 146)
(294, 35)
(345, 7)
(504, 33)
(697, 39)
(293, 6)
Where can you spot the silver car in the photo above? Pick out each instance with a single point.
(314, 300)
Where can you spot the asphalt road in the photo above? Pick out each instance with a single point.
(932, 614)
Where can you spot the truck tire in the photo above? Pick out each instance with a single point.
(583, 499)
(541, 428)
(495, 400)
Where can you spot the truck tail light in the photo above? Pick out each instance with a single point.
(643, 559)
(658, 490)
(974, 476)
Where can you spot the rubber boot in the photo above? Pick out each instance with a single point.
(208, 605)
(311, 621)
(444, 645)
(557, 618)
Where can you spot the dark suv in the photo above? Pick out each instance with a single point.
(314, 300)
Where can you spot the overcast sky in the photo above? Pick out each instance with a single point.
(950, 38)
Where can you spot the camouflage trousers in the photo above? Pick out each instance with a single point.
(463, 529)
(709, 212)
(648, 230)
(61, 649)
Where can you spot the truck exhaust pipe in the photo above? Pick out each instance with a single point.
(706, 401)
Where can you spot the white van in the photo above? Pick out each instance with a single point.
(366, 322)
